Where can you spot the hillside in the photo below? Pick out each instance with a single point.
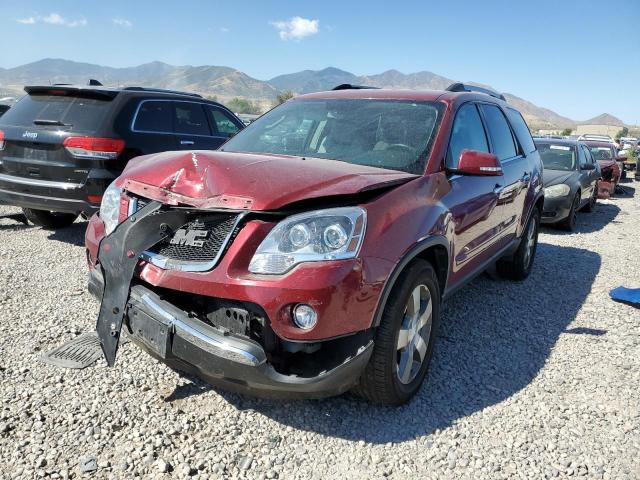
(227, 83)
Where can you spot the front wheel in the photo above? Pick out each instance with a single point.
(49, 220)
(403, 343)
(518, 266)
(569, 223)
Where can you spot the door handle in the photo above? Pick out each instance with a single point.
(186, 142)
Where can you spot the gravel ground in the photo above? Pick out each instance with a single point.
(530, 380)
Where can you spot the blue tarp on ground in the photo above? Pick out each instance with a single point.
(630, 296)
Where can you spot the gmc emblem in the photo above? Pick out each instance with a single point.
(190, 238)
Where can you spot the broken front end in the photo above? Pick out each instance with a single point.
(183, 282)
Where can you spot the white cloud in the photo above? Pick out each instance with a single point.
(54, 19)
(122, 22)
(296, 28)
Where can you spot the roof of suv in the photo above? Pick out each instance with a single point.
(390, 94)
(108, 91)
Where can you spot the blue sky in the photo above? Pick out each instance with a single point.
(578, 58)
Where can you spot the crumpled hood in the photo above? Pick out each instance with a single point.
(554, 177)
(212, 179)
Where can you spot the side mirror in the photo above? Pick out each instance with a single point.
(588, 166)
(473, 162)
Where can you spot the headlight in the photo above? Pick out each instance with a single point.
(331, 234)
(110, 208)
(555, 191)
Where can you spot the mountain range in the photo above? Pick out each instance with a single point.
(226, 83)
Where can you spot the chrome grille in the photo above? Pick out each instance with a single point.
(218, 227)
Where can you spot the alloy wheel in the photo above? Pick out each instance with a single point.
(531, 243)
(414, 334)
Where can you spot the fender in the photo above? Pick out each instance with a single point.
(417, 249)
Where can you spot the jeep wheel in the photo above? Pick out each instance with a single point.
(518, 266)
(49, 220)
(403, 344)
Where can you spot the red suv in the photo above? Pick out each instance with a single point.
(311, 254)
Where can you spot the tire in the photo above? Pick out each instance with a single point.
(591, 206)
(49, 220)
(382, 381)
(518, 266)
(569, 223)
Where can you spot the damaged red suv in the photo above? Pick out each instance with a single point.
(312, 253)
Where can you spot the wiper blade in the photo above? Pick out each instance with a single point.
(51, 122)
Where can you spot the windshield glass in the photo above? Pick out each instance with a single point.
(602, 153)
(557, 157)
(82, 114)
(390, 134)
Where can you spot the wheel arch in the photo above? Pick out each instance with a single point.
(435, 250)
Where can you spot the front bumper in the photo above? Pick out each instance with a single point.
(232, 362)
(556, 209)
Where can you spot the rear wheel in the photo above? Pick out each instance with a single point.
(569, 223)
(518, 266)
(49, 220)
(404, 340)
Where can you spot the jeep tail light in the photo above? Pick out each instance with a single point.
(94, 147)
(1, 140)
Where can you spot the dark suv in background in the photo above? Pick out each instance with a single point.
(62, 145)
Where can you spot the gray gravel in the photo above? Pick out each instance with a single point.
(531, 380)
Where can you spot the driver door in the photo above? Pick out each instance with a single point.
(472, 200)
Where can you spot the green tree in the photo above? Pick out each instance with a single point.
(242, 105)
(622, 133)
(566, 132)
(284, 96)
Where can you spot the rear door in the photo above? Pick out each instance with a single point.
(191, 127)
(152, 127)
(516, 178)
(35, 128)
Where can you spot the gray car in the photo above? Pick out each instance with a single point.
(570, 180)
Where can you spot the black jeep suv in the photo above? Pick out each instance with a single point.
(61, 146)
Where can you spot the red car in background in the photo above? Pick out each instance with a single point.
(611, 166)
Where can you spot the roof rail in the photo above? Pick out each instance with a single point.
(161, 90)
(463, 87)
(348, 86)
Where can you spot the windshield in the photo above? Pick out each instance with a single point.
(557, 157)
(82, 114)
(602, 153)
(390, 134)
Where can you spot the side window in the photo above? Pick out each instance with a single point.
(582, 154)
(154, 116)
(190, 119)
(501, 137)
(222, 123)
(467, 133)
(522, 130)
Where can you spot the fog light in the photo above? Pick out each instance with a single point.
(304, 316)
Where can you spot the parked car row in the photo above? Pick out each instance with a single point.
(311, 253)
